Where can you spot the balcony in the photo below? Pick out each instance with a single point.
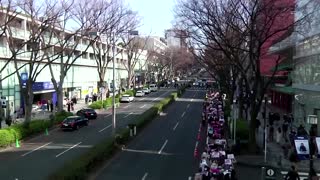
(284, 44)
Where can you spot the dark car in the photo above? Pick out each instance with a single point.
(87, 113)
(74, 122)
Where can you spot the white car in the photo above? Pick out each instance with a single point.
(139, 93)
(126, 98)
(146, 90)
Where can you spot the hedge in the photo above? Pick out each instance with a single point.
(20, 131)
(106, 103)
(80, 167)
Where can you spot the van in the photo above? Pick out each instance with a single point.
(153, 87)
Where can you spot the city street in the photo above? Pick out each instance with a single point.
(165, 149)
(40, 156)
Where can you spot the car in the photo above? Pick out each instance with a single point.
(146, 90)
(140, 93)
(74, 122)
(126, 98)
(153, 87)
(87, 113)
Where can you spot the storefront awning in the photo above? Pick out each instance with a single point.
(282, 67)
(285, 90)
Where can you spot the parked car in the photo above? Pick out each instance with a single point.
(153, 87)
(146, 90)
(74, 122)
(139, 93)
(126, 98)
(87, 113)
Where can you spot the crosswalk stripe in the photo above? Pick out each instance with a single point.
(303, 174)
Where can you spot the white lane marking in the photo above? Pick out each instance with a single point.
(143, 106)
(126, 106)
(105, 128)
(36, 149)
(189, 178)
(141, 99)
(165, 143)
(300, 173)
(191, 100)
(144, 176)
(128, 115)
(188, 106)
(68, 149)
(183, 114)
(155, 99)
(176, 126)
(107, 115)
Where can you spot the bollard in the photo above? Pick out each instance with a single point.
(263, 172)
(131, 134)
(135, 130)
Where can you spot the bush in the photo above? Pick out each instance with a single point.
(19, 131)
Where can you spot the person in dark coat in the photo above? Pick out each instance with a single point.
(51, 106)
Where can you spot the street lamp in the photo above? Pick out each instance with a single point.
(113, 79)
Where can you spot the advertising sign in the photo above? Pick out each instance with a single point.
(24, 78)
(302, 147)
(318, 145)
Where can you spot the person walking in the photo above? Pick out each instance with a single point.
(285, 127)
(292, 174)
(278, 135)
(271, 133)
(51, 106)
(48, 105)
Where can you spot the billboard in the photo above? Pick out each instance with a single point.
(302, 147)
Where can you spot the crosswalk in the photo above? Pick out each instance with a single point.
(302, 175)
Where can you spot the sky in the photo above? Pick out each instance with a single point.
(156, 15)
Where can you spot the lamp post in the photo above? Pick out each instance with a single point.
(312, 120)
(113, 79)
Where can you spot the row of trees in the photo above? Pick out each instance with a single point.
(231, 39)
(56, 30)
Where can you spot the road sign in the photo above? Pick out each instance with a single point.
(270, 173)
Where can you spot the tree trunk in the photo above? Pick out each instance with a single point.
(28, 100)
(60, 97)
(129, 79)
(252, 128)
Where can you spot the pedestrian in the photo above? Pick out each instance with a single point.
(286, 147)
(292, 174)
(69, 105)
(285, 127)
(86, 99)
(48, 105)
(271, 133)
(51, 106)
(278, 135)
(72, 107)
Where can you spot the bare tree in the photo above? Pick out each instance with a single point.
(241, 30)
(135, 47)
(115, 19)
(27, 55)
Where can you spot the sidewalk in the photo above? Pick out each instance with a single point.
(41, 115)
(275, 155)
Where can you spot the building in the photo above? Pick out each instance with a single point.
(303, 45)
(81, 79)
(176, 38)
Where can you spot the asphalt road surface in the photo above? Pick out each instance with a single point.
(42, 155)
(165, 148)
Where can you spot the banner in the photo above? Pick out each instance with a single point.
(302, 147)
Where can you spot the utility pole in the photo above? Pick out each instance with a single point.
(113, 86)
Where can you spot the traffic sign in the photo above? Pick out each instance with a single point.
(270, 173)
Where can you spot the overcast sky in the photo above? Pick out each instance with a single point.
(157, 15)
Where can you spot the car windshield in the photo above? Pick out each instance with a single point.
(125, 95)
(69, 120)
(139, 91)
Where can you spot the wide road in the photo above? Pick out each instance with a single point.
(165, 149)
(42, 155)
